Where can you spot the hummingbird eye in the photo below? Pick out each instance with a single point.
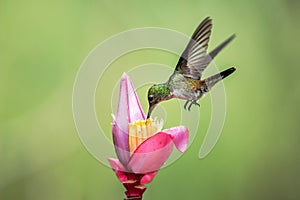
(150, 97)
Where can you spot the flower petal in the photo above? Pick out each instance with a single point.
(120, 139)
(118, 168)
(129, 109)
(151, 154)
(180, 136)
(129, 106)
(147, 178)
(135, 109)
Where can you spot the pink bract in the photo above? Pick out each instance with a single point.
(140, 168)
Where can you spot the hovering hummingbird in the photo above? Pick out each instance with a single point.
(185, 82)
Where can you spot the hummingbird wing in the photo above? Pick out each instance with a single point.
(215, 52)
(195, 58)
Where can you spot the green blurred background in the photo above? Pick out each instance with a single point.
(43, 43)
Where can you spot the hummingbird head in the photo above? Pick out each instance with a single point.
(156, 94)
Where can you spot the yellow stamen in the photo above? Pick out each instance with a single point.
(140, 130)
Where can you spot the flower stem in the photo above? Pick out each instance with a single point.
(134, 189)
(134, 198)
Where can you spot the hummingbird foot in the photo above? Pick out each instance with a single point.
(186, 103)
(191, 103)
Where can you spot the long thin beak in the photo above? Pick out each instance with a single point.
(151, 107)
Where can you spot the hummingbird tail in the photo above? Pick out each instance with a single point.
(212, 80)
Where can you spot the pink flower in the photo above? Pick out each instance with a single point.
(141, 147)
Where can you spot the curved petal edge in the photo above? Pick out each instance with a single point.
(151, 154)
(180, 137)
(118, 169)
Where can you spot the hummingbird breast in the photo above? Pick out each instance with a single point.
(185, 88)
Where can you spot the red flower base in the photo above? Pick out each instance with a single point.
(134, 187)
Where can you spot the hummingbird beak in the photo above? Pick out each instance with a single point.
(151, 107)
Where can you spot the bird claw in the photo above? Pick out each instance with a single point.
(191, 103)
(186, 103)
(196, 104)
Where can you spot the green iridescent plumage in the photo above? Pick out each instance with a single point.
(159, 90)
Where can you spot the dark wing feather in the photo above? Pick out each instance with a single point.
(215, 52)
(194, 58)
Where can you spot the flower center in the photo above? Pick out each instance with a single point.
(140, 130)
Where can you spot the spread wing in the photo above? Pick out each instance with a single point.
(195, 58)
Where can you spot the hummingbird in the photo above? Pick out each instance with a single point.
(185, 83)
